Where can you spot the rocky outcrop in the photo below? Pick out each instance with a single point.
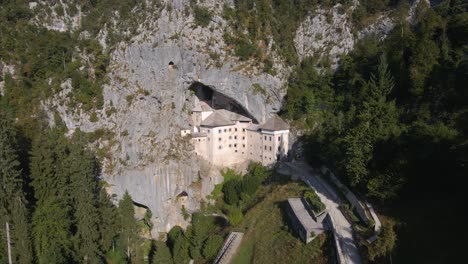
(329, 33)
(147, 102)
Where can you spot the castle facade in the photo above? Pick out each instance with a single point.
(225, 138)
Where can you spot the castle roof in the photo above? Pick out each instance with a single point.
(275, 123)
(217, 119)
(253, 127)
(233, 116)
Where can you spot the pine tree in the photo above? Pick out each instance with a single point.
(12, 198)
(109, 224)
(82, 169)
(162, 255)
(43, 167)
(52, 232)
(129, 233)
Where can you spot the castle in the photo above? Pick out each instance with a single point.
(225, 138)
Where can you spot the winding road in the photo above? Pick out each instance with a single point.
(347, 250)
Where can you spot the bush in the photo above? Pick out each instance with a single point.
(385, 242)
(202, 16)
(314, 201)
(231, 191)
(235, 216)
(245, 50)
(212, 246)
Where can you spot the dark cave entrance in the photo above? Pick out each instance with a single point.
(217, 100)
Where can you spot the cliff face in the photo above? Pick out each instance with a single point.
(147, 101)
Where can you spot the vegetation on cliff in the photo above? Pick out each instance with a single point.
(392, 122)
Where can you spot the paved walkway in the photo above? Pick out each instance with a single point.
(348, 252)
(229, 248)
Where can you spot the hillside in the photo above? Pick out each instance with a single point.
(93, 95)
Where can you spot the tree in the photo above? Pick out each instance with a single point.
(12, 199)
(179, 244)
(231, 191)
(52, 232)
(201, 227)
(109, 224)
(212, 246)
(129, 228)
(162, 255)
(385, 242)
(82, 169)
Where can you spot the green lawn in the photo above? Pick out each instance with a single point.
(267, 236)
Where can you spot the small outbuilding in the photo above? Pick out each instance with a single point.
(302, 221)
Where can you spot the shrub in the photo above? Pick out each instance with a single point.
(202, 16)
(93, 118)
(235, 216)
(231, 191)
(212, 246)
(314, 201)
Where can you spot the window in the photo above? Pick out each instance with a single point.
(229, 130)
(250, 153)
(208, 139)
(235, 129)
(270, 138)
(235, 137)
(279, 148)
(225, 130)
(270, 148)
(243, 145)
(243, 130)
(230, 137)
(265, 137)
(208, 131)
(219, 131)
(235, 150)
(235, 145)
(199, 140)
(279, 138)
(265, 148)
(243, 137)
(219, 139)
(220, 147)
(230, 145)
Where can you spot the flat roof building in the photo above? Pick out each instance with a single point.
(302, 221)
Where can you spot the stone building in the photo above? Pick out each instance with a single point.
(225, 138)
(302, 221)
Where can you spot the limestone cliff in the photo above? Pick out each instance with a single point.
(147, 100)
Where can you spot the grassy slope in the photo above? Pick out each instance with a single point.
(267, 237)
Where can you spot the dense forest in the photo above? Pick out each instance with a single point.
(392, 122)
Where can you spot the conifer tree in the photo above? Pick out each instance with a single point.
(12, 198)
(129, 228)
(82, 170)
(52, 232)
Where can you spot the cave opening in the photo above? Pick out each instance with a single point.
(171, 63)
(217, 100)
